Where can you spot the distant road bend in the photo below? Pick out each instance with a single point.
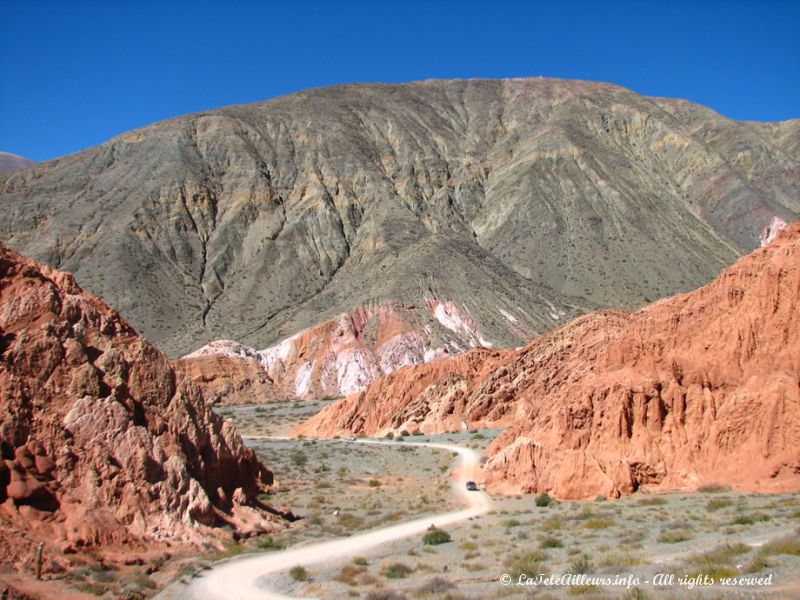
(242, 578)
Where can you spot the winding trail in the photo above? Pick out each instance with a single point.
(242, 578)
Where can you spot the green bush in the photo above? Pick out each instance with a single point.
(543, 499)
(298, 573)
(397, 571)
(550, 541)
(750, 519)
(267, 543)
(436, 536)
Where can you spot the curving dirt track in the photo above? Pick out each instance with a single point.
(242, 578)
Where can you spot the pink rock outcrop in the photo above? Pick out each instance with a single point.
(694, 389)
(336, 357)
(102, 441)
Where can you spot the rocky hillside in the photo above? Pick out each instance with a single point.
(103, 444)
(337, 357)
(520, 201)
(699, 388)
(11, 162)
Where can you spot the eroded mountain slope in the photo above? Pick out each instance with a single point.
(533, 197)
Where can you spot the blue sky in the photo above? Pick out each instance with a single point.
(74, 74)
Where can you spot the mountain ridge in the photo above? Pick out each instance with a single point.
(255, 222)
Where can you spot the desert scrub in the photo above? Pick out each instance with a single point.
(617, 562)
(397, 571)
(348, 574)
(298, 573)
(674, 536)
(437, 585)
(578, 590)
(599, 523)
(655, 501)
(581, 564)
(268, 543)
(234, 549)
(361, 561)
(750, 519)
(552, 524)
(786, 545)
(543, 500)
(757, 564)
(549, 541)
(714, 488)
(509, 523)
(374, 483)
(718, 503)
(436, 536)
(526, 563)
(718, 562)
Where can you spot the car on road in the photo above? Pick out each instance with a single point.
(472, 486)
(350, 438)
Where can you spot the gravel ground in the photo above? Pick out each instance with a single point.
(715, 533)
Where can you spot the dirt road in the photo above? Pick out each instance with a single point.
(241, 578)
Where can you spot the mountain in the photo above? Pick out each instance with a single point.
(104, 445)
(521, 202)
(11, 162)
(695, 389)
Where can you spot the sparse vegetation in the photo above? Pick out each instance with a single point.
(268, 543)
(786, 545)
(397, 571)
(719, 503)
(298, 574)
(717, 563)
(527, 563)
(653, 501)
(549, 541)
(543, 500)
(674, 536)
(581, 564)
(435, 536)
(714, 488)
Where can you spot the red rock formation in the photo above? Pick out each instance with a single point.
(229, 380)
(102, 442)
(334, 358)
(698, 388)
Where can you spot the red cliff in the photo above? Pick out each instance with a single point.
(697, 388)
(102, 442)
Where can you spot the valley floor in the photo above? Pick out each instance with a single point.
(343, 488)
